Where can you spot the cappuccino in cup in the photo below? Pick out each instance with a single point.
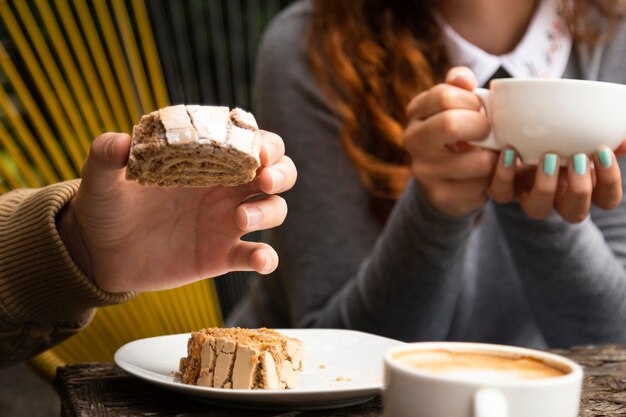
(483, 366)
(456, 379)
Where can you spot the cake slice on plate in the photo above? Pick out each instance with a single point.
(242, 359)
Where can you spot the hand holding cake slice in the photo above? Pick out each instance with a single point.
(242, 359)
(192, 145)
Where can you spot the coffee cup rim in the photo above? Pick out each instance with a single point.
(574, 372)
(571, 81)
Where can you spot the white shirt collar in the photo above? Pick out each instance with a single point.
(543, 52)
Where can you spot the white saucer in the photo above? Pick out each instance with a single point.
(341, 368)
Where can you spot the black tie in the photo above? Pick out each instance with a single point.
(500, 73)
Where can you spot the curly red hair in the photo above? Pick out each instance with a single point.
(371, 57)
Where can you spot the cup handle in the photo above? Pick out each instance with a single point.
(489, 402)
(490, 142)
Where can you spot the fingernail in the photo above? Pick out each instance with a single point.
(278, 179)
(509, 157)
(460, 75)
(271, 149)
(109, 150)
(268, 263)
(580, 163)
(254, 216)
(604, 155)
(549, 164)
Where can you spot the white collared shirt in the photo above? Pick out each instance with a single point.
(543, 51)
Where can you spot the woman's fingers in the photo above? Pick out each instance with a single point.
(535, 189)
(448, 127)
(502, 188)
(252, 256)
(440, 98)
(261, 214)
(462, 77)
(442, 121)
(455, 93)
(574, 202)
(607, 193)
(539, 201)
(568, 190)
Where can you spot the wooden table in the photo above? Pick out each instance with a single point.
(102, 389)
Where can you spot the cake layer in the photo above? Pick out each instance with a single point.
(195, 146)
(242, 359)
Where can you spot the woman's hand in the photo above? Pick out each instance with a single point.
(569, 190)
(457, 177)
(129, 237)
(453, 174)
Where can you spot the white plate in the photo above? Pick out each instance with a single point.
(341, 368)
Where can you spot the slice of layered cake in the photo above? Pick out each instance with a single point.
(195, 146)
(242, 359)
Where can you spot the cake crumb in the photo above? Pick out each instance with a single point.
(322, 366)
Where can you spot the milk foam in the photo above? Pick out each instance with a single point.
(478, 365)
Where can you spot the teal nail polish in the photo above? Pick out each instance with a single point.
(509, 157)
(604, 155)
(549, 164)
(580, 163)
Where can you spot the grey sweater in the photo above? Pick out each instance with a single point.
(423, 275)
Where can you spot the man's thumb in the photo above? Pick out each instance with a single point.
(107, 158)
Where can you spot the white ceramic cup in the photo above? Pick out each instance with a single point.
(567, 117)
(415, 392)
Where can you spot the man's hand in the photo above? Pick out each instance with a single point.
(130, 237)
